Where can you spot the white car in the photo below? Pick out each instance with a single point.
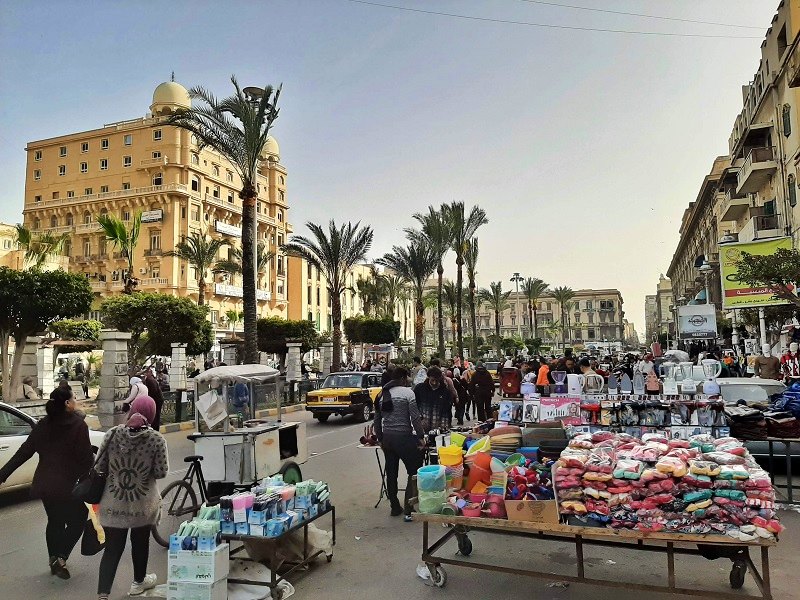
(15, 426)
(749, 389)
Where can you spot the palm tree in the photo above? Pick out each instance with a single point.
(234, 317)
(471, 262)
(404, 297)
(463, 228)
(533, 288)
(436, 233)
(497, 300)
(372, 292)
(415, 263)
(563, 295)
(125, 239)
(334, 253)
(39, 248)
(450, 297)
(392, 290)
(233, 264)
(238, 128)
(201, 253)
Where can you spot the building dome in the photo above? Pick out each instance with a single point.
(271, 149)
(168, 96)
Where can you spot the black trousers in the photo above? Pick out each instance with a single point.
(65, 522)
(484, 403)
(397, 447)
(115, 546)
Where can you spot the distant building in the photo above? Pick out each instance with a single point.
(650, 318)
(11, 255)
(665, 320)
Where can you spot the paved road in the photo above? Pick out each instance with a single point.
(376, 554)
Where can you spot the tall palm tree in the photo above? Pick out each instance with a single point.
(463, 226)
(533, 288)
(497, 300)
(334, 253)
(415, 263)
(435, 232)
(450, 297)
(471, 263)
(39, 247)
(372, 292)
(393, 288)
(238, 128)
(125, 239)
(563, 294)
(404, 297)
(200, 252)
(233, 264)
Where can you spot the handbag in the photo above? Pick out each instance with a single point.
(89, 488)
(90, 543)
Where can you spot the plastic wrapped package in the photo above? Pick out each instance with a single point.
(582, 441)
(568, 482)
(655, 437)
(652, 474)
(678, 444)
(596, 494)
(703, 441)
(730, 484)
(595, 476)
(602, 436)
(573, 507)
(700, 504)
(672, 465)
(737, 472)
(759, 479)
(570, 494)
(598, 485)
(704, 467)
(685, 454)
(628, 469)
(734, 447)
(724, 458)
(697, 496)
(661, 486)
(615, 488)
(573, 457)
(600, 463)
(731, 494)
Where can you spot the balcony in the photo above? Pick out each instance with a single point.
(756, 170)
(761, 226)
(153, 282)
(154, 252)
(119, 256)
(88, 227)
(59, 230)
(233, 291)
(98, 286)
(734, 206)
(140, 191)
(153, 162)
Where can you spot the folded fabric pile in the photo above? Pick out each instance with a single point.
(700, 486)
(782, 424)
(746, 423)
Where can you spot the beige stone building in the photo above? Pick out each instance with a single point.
(13, 257)
(665, 316)
(650, 318)
(138, 165)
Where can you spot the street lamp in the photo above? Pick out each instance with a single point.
(706, 269)
(516, 279)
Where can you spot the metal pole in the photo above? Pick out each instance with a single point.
(516, 279)
(763, 325)
(735, 335)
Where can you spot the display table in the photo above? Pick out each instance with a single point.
(667, 543)
(273, 564)
(787, 447)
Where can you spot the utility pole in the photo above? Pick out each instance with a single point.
(516, 279)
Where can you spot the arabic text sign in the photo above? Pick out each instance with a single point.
(736, 294)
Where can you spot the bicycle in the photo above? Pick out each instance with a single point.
(179, 499)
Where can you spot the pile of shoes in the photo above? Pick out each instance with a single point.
(747, 423)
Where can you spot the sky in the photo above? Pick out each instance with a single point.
(584, 147)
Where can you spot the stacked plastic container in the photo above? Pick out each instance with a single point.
(432, 488)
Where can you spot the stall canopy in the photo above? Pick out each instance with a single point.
(239, 374)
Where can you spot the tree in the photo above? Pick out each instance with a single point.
(497, 300)
(435, 232)
(155, 321)
(463, 228)
(39, 248)
(450, 297)
(563, 295)
(366, 330)
(372, 292)
(415, 263)
(274, 332)
(234, 317)
(393, 286)
(29, 302)
(200, 252)
(77, 330)
(779, 271)
(233, 264)
(533, 288)
(126, 240)
(471, 263)
(334, 254)
(238, 128)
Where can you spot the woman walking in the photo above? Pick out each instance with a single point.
(65, 454)
(135, 457)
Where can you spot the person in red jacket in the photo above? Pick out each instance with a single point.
(65, 454)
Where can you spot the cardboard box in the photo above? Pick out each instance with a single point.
(198, 591)
(532, 511)
(198, 566)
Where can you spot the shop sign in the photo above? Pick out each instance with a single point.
(697, 322)
(152, 216)
(737, 294)
(227, 229)
(234, 291)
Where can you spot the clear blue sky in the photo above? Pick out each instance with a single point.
(583, 147)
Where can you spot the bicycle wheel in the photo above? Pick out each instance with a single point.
(178, 504)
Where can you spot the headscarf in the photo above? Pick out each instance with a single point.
(142, 412)
(135, 380)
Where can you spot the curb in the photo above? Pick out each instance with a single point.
(270, 412)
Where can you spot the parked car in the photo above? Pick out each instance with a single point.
(345, 393)
(492, 367)
(749, 389)
(15, 425)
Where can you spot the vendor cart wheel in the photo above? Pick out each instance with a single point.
(329, 557)
(464, 545)
(291, 473)
(178, 504)
(438, 575)
(738, 572)
(322, 418)
(363, 415)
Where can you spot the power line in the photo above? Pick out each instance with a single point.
(633, 14)
(550, 26)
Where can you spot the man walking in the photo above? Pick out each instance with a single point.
(482, 390)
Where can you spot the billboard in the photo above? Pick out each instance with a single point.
(736, 294)
(697, 322)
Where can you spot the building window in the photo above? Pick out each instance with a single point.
(104, 164)
(792, 185)
(87, 247)
(215, 171)
(62, 151)
(55, 196)
(282, 194)
(280, 265)
(318, 296)
(229, 176)
(280, 240)
(127, 161)
(84, 147)
(69, 219)
(156, 135)
(280, 216)
(283, 180)
(37, 155)
(84, 167)
(54, 221)
(183, 212)
(127, 139)
(195, 159)
(156, 154)
(36, 223)
(126, 185)
(62, 170)
(37, 175)
(70, 193)
(195, 213)
(126, 215)
(155, 240)
(216, 191)
(87, 191)
(87, 217)
(308, 294)
(104, 144)
(310, 270)
(103, 189)
(37, 199)
(230, 197)
(214, 316)
(158, 179)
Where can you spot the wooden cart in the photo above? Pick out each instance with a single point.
(710, 546)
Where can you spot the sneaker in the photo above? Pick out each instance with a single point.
(407, 518)
(148, 583)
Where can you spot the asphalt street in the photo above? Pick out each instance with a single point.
(376, 555)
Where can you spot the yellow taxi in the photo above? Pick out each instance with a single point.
(345, 393)
(494, 369)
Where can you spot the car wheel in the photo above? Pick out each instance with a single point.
(322, 418)
(364, 413)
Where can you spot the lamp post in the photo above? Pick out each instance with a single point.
(516, 278)
(705, 269)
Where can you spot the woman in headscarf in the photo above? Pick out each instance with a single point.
(138, 389)
(134, 456)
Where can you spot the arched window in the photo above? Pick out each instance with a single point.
(87, 217)
(69, 218)
(215, 170)
(54, 221)
(792, 185)
(195, 184)
(195, 159)
(280, 216)
(158, 179)
(67, 248)
(36, 223)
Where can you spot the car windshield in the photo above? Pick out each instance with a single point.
(750, 392)
(342, 380)
(492, 366)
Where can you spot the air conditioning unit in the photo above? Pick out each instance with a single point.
(142, 271)
(729, 238)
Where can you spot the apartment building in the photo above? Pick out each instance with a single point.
(650, 317)
(141, 166)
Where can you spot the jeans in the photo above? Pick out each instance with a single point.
(397, 447)
(65, 522)
(115, 546)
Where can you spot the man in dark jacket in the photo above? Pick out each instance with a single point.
(434, 401)
(482, 390)
(154, 391)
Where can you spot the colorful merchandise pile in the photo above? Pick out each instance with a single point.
(701, 485)
(198, 560)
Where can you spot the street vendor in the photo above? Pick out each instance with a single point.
(434, 401)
